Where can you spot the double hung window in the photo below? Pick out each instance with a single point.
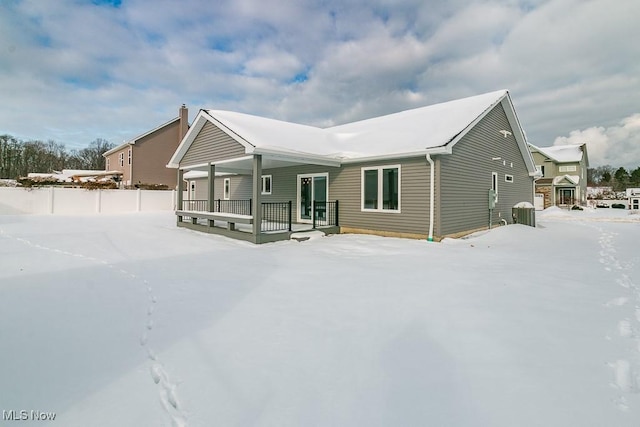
(381, 188)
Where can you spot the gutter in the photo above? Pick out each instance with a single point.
(431, 196)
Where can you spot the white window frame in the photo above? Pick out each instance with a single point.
(298, 185)
(264, 180)
(129, 155)
(568, 168)
(508, 178)
(226, 188)
(121, 159)
(494, 183)
(380, 187)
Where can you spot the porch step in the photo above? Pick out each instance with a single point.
(303, 236)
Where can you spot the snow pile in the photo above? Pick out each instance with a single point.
(553, 212)
(8, 183)
(127, 320)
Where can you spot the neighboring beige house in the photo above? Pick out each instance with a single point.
(564, 175)
(143, 159)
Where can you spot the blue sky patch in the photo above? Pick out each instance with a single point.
(113, 3)
(221, 44)
(300, 77)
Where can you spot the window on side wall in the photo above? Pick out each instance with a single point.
(227, 188)
(380, 188)
(129, 155)
(121, 158)
(266, 184)
(508, 178)
(568, 168)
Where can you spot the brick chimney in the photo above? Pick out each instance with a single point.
(184, 122)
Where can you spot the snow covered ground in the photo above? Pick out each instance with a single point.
(126, 320)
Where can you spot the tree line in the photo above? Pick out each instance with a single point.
(608, 176)
(18, 158)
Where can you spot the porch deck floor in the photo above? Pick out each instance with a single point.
(247, 228)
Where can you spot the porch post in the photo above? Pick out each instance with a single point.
(179, 189)
(256, 203)
(211, 178)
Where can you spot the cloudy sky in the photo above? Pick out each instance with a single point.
(77, 70)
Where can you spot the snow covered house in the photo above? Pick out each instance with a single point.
(421, 173)
(564, 175)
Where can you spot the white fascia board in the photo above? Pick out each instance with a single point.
(234, 160)
(196, 127)
(199, 166)
(239, 139)
(297, 157)
(518, 133)
(471, 125)
(201, 119)
(384, 157)
(232, 171)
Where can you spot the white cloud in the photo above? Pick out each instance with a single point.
(616, 145)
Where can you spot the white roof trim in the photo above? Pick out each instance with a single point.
(237, 159)
(286, 155)
(198, 123)
(435, 150)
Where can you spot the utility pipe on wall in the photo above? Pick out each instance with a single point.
(431, 196)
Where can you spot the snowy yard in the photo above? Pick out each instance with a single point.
(126, 320)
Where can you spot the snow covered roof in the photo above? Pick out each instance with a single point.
(431, 129)
(403, 132)
(562, 153)
(415, 130)
(574, 179)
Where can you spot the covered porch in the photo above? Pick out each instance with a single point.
(259, 218)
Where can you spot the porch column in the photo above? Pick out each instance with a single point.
(211, 178)
(256, 203)
(179, 189)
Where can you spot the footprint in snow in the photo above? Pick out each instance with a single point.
(623, 376)
(624, 328)
(617, 302)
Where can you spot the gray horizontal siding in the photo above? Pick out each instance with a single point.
(344, 185)
(240, 187)
(284, 183)
(211, 145)
(465, 177)
(414, 198)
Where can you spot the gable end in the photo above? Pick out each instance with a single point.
(211, 145)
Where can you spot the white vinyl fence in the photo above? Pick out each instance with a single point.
(53, 200)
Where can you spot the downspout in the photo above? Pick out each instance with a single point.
(431, 196)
